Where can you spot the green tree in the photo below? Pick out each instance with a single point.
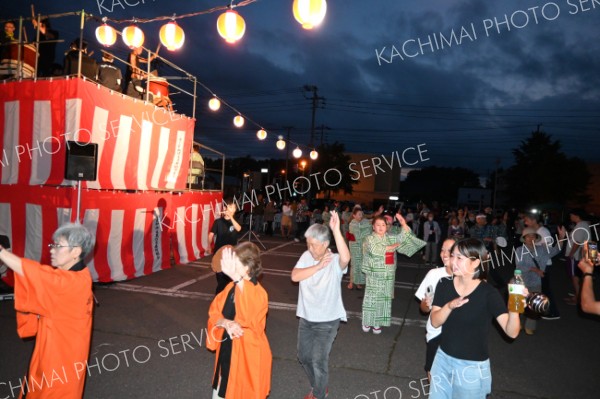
(332, 156)
(542, 173)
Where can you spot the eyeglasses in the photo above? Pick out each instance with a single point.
(57, 246)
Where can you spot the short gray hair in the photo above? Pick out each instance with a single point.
(77, 236)
(319, 232)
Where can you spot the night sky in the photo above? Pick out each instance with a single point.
(391, 72)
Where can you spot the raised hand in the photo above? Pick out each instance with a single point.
(228, 263)
(334, 221)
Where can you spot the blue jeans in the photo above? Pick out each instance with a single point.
(453, 378)
(314, 344)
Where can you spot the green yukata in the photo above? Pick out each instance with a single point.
(360, 230)
(379, 289)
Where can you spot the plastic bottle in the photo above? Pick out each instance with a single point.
(516, 293)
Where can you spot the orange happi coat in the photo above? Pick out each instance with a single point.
(56, 307)
(251, 359)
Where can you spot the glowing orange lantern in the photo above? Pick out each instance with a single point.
(280, 143)
(214, 104)
(133, 36)
(309, 13)
(238, 121)
(261, 134)
(106, 35)
(231, 26)
(172, 36)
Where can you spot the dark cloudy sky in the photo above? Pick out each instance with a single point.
(470, 103)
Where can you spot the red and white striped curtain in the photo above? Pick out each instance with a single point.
(140, 146)
(135, 233)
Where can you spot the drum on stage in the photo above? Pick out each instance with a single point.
(10, 60)
(159, 88)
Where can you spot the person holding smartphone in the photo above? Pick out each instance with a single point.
(589, 304)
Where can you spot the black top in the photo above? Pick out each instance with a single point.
(465, 332)
(108, 74)
(89, 67)
(47, 52)
(224, 360)
(225, 233)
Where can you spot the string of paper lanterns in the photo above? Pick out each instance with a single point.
(230, 25)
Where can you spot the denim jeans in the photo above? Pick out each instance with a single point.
(453, 378)
(314, 344)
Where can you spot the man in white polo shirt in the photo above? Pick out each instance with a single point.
(320, 308)
(425, 294)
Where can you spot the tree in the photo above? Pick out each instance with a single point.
(332, 157)
(543, 174)
(437, 184)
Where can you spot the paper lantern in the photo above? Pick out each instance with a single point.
(238, 121)
(309, 13)
(261, 134)
(214, 104)
(172, 36)
(231, 26)
(297, 153)
(106, 35)
(133, 36)
(280, 143)
(314, 155)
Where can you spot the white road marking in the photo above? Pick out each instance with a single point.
(397, 321)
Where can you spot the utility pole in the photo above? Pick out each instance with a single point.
(287, 154)
(323, 127)
(316, 103)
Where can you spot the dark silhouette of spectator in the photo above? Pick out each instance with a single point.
(108, 74)
(89, 67)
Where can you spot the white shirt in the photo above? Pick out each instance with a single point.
(579, 235)
(320, 295)
(546, 240)
(287, 210)
(431, 280)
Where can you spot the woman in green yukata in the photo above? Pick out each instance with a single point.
(379, 267)
(358, 230)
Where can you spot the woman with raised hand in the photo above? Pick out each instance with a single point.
(55, 304)
(236, 325)
(379, 267)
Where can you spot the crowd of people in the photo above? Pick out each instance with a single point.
(461, 297)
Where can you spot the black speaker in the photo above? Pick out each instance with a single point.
(82, 161)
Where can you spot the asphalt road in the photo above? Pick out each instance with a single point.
(149, 341)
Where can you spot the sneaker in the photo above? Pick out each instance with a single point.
(366, 328)
(529, 331)
(376, 330)
(551, 317)
(311, 396)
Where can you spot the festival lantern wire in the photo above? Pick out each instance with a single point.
(231, 26)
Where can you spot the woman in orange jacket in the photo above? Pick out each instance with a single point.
(236, 325)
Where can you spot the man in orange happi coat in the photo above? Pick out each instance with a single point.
(55, 304)
(243, 362)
